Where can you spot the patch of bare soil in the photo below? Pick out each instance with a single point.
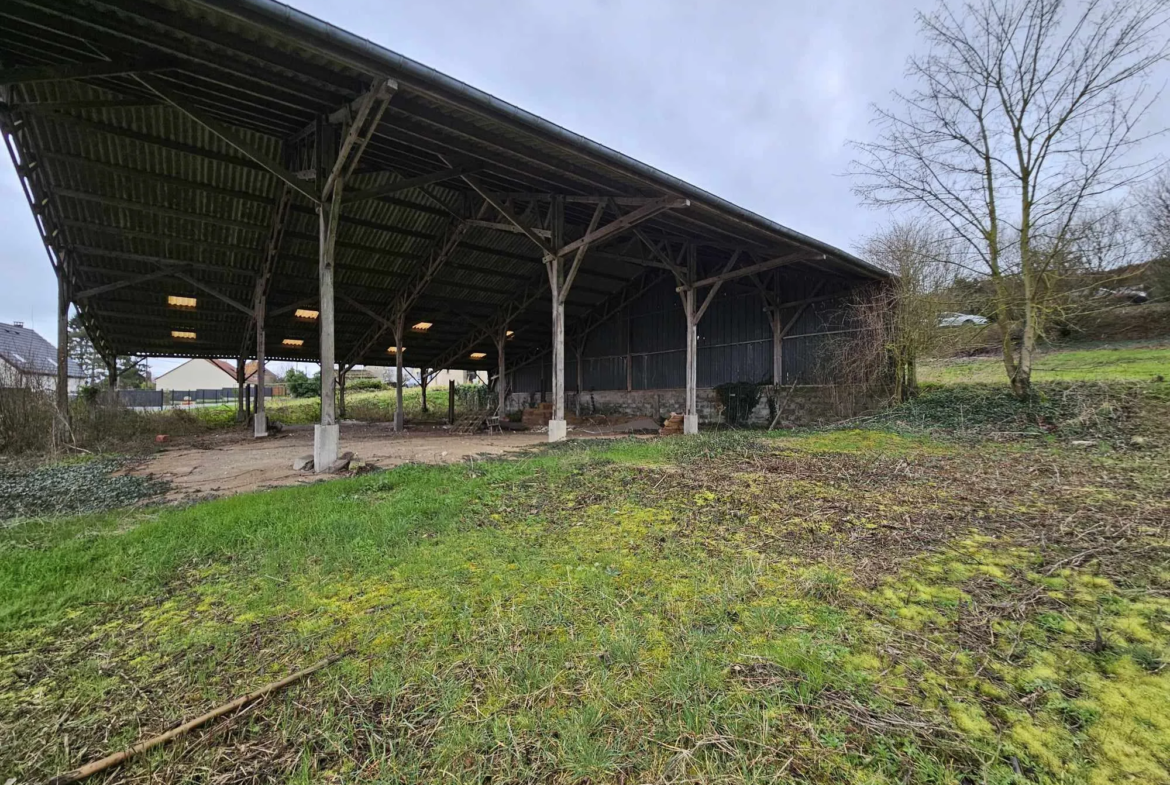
(233, 462)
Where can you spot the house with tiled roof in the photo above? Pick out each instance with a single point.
(28, 360)
(198, 374)
(204, 374)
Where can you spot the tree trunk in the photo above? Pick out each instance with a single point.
(1022, 379)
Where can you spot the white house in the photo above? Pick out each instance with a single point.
(203, 374)
(388, 373)
(198, 374)
(28, 360)
(442, 378)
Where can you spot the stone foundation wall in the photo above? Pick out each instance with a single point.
(807, 405)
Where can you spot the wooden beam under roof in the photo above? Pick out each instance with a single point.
(226, 134)
(780, 261)
(405, 184)
(68, 71)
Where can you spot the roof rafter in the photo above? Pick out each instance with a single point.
(226, 134)
(405, 184)
(780, 261)
(359, 133)
(67, 71)
(524, 226)
(624, 222)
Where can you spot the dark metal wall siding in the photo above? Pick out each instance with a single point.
(802, 358)
(598, 373)
(608, 339)
(656, 329)
(741, 362)
(735, 342)
(817, 318)
(526, 379)
(665, 370)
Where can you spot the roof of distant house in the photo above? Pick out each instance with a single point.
(226, 367)
(28, 352)
(250, 373)
(221, 365)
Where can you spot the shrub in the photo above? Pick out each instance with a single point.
(26, 420)
(300, 385)
(361, 384)
(739, 400)
(474, 397)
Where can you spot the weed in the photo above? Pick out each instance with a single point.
(71, 487)
(823, 584)
(858, 605)
(1147, 658)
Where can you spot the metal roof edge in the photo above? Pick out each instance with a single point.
(301, 22)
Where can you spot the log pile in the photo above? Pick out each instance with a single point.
(673, 425)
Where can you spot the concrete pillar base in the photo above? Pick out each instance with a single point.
(690, 423)
(557, 430)
(325, 442)
(260, 425)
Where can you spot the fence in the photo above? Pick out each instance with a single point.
(162, 399)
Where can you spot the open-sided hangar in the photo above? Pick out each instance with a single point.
(218, 178)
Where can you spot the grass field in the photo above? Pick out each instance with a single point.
(373, 406)
(888, 605)
(1128, 361)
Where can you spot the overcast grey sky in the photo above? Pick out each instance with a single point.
(753, 100)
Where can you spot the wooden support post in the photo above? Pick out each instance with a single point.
(399, 415)
(558, 432)
(502, 370)
(771, 296)
(112, 373)
(557, 429)
(326, 435)
(248, 401)
(501, 341)
(422, 383)
(342, 373)
(241, 368)
(65, 428)
(580, 377)
(333, 165)
(777, 347)
(450, 401)
(691, 414)
(629, 352)
(260, 421)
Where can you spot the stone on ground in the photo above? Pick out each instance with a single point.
(342, 463)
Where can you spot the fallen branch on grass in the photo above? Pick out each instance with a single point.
(90, 769)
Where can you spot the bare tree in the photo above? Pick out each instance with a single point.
(1024, 116)
(904, 314)
(1155, 226)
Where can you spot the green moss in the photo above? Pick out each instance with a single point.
(813, 609)
(1132, 735)
(970, 719)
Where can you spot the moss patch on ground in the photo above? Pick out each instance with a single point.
(841, 606)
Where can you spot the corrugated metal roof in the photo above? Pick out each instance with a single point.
(126, 185)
